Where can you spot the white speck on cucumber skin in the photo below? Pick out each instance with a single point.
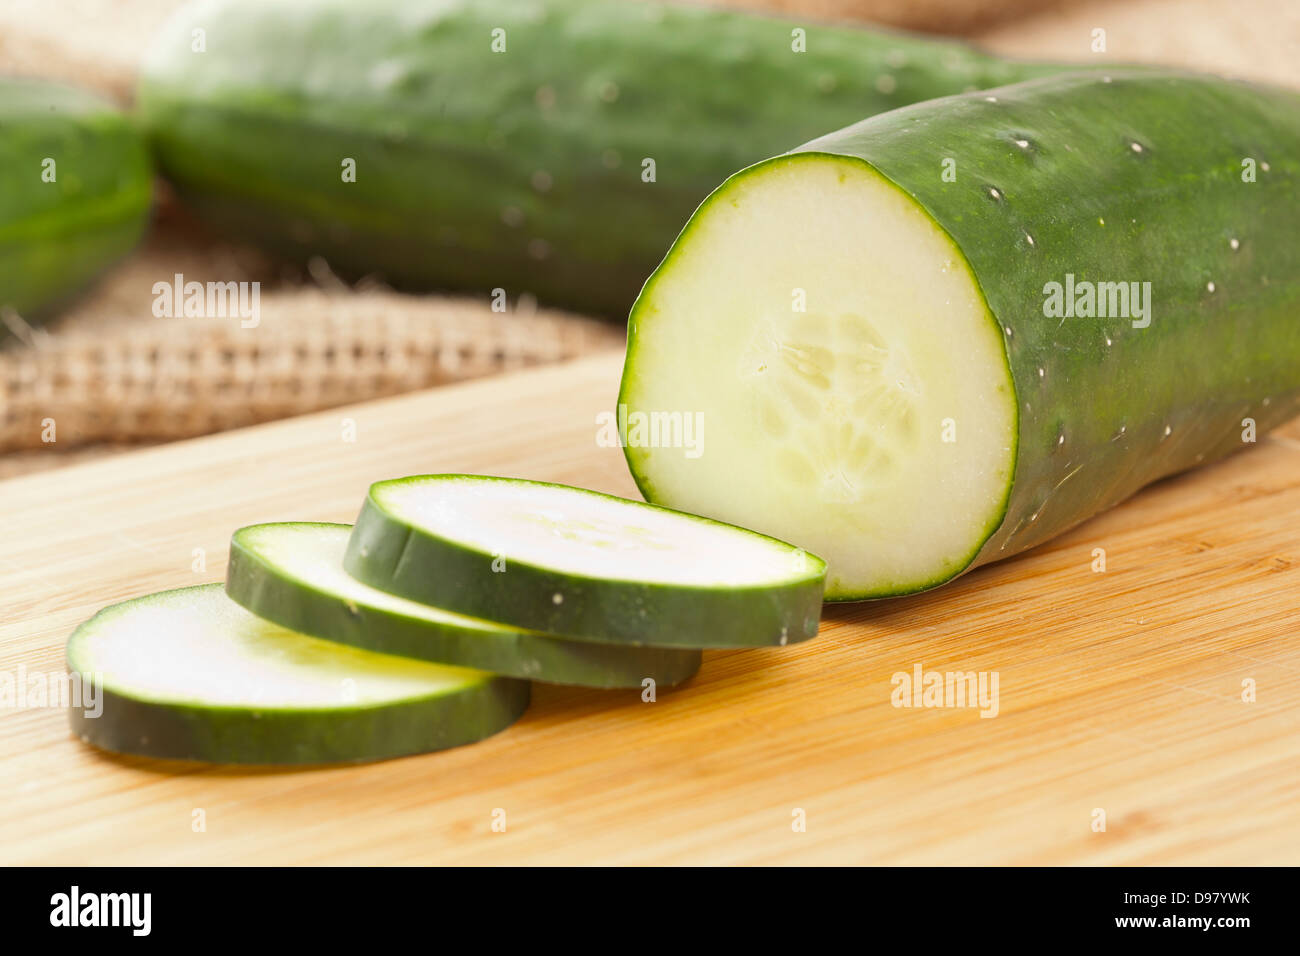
(994, 193)
(557, 598)
(1022, 143)
(990, 99)
(1136, 147)
(1209, 286)
(1168, 431)
(1234, 245)
(886, 84)
(1029, 238)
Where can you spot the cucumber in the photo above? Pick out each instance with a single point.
(886, 380)
(589, 566)
(520, 169)
(292, 574)
(75, 186)
(190, 675)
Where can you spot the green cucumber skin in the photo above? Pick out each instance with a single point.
(448, 135)
(1207, 360)
(144, 728)
(236, 735)
(57, 236)
(292, 604)
(394, 557)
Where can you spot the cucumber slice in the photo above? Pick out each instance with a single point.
(292, 574)
(883, 379)
(589, 566)
(190, 675)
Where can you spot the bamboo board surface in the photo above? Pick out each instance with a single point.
(1119, 691)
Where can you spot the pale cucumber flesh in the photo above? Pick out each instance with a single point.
(832, 337)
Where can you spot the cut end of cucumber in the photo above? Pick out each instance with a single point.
(853, 382)
(576, 532)
(195, 646)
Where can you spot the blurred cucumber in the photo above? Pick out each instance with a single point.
(550, 147)
(75, 186)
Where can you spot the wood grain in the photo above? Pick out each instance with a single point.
(1118, 690)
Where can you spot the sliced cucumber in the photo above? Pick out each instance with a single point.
(190, 675)
(589, 566)
(872, 343)
(292, 574)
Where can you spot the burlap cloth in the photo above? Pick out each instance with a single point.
(108, 372)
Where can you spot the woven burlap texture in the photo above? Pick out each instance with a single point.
(170, 378)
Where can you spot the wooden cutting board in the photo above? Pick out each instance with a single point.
(1119, 691)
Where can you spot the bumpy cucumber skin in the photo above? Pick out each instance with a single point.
(235, 735)
(56, 236)
(1095, 396)
(390, 555)
(261, 588)
(520, 170)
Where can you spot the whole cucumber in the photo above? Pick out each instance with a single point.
(946, 334)
(75, 186)
(547, 146)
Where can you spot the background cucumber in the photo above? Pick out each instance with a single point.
(521, 169)
(921, 414)
(75, 187)
(581, 564)
(190, 675)
(292, 573)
